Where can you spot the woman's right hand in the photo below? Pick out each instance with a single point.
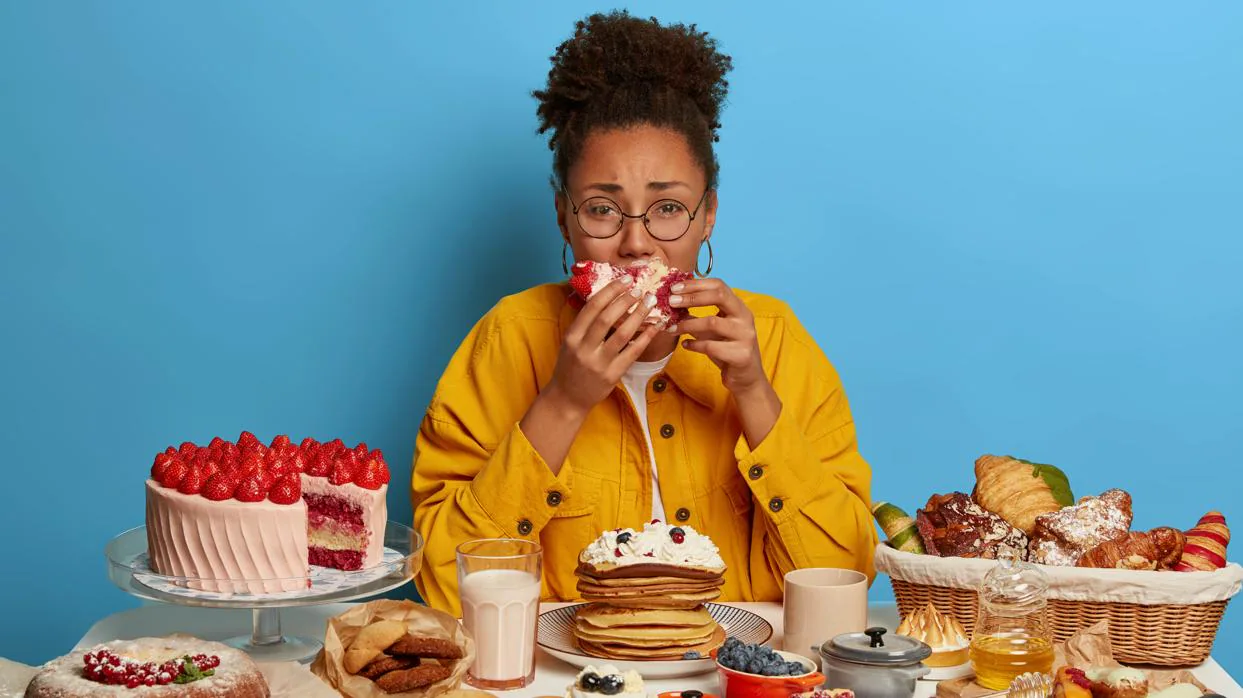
(601, 344)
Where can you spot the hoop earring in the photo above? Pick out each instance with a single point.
(704, 273)
(564, 267)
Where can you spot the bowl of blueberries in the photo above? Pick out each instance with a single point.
(759, 671)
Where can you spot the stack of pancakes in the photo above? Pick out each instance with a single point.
(647, 610)
(649, 585)
(645, 633)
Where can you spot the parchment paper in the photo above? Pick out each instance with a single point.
(420, 620)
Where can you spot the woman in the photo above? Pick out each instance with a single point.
(554, 424)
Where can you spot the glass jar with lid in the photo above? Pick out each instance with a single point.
(1011, 635)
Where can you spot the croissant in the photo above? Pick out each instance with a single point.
(1019, 491)
(371, 642)
(1158, 549)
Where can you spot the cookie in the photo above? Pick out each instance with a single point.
(415, 677)
(385, 664)
(426, 647)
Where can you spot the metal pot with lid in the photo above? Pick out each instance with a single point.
(872, 665)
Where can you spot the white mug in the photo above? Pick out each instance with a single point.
(822, 603)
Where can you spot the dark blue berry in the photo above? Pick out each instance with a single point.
(623, 538)
(677, 530)
(690, 654)
(611, 685)
(590, 682)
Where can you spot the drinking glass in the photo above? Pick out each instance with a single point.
(499, 584)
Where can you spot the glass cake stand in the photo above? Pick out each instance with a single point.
(130, 569)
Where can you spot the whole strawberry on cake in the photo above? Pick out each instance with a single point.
(251, 518)
(651, 276)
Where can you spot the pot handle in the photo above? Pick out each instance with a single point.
(811, 680)
(914, 672)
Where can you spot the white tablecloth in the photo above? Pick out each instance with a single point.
(551, 675)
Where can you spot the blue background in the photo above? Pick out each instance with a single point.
(1013, 229)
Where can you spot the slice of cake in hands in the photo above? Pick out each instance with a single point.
(651, 276)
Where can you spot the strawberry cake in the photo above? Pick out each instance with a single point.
(153, 667)
(650, 276)
(248, 518)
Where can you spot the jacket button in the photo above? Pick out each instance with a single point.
(756, 472)
(683, 514)
(775, 505)
(525, 527)
(659, 385)
(554, 498)
(666, 430)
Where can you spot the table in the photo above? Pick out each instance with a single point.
(551, 675)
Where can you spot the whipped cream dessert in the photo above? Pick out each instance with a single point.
(657, 543)
(605, 680)
(944, 634)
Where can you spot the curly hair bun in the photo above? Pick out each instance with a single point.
(618, 71)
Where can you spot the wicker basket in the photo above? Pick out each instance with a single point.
(1161, 634)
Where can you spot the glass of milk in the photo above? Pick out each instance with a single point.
(499, 584)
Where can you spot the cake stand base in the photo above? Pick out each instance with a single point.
(266, 643)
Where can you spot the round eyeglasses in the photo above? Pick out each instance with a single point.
(666, 220)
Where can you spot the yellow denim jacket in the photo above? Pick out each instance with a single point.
(801, 498)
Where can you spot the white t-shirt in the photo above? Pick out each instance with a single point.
(635, 380)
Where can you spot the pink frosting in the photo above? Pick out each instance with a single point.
(374, 506)
(262, 543)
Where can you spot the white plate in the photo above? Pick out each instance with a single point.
(324, 580)
(555, 636)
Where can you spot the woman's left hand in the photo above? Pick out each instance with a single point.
(728, 338)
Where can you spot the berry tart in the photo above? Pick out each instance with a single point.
(153, 667)
(650, 276)
(251, 518)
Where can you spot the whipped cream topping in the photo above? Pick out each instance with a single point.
(654, 544)
(1119, 678)
(632, 682)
